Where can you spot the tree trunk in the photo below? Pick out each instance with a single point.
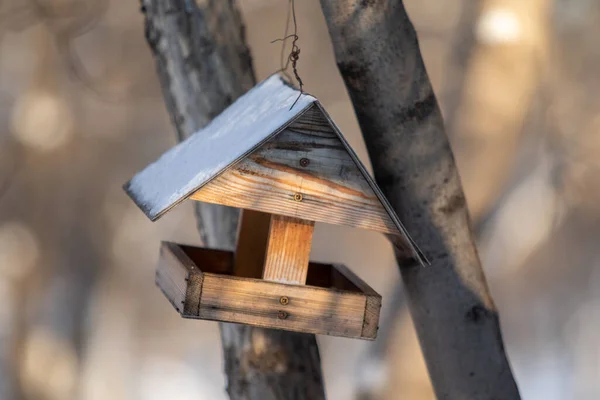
(204, 64)
(457, 323)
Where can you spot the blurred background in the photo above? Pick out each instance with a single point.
(81, 111)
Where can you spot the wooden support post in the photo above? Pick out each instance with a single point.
(288, 250)
(253, 233)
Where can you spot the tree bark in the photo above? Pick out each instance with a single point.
(204, 64)
(457, 323)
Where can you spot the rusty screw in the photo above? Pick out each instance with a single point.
(298, 197)
(282, 315)
(304, 162)
(284, 300)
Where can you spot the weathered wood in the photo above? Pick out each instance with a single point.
(201, 283)
(251, 243)
(288, 250)
(373, 300)
(308, 159)
(251, 120)
(204, 64)
(179, 278)
(258, 303)
(378, 55)
(371, 318)
(172, 274)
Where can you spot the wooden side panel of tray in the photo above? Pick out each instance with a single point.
(200, 284)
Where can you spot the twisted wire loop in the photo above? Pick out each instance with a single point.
(294, 55)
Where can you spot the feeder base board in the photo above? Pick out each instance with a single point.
(200, 284)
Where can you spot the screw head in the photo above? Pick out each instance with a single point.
(304, 162)
(282, 315)
(284, 300)
(298, 197)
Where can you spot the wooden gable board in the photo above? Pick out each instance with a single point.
(332, 187)
(335, 186)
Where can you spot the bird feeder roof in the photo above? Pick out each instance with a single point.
(246, 124)
(251, 121)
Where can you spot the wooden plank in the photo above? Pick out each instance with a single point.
(257, 302)
(306, 159)
(191, 304)
(253, 233)
(371, 318)
(373, 299)
(288, 250)
(172, 276)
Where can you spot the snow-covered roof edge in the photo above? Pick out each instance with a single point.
(251, 120)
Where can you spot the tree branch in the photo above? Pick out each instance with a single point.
(204, 64)
(378, 56)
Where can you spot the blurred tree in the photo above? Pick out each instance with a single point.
(503, 72)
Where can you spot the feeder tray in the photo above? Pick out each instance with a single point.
(201, 283)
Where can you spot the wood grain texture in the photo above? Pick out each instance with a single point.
(371, 318)
(201, 283)
(257, 302)
(309, 159)
(172, 276)
(373, 299)
(252, 243)
(191, 305)
(288, 250)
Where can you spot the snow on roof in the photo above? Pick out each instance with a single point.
(250, 121)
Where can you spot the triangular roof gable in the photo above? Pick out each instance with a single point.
(306, 172)
(250, 122)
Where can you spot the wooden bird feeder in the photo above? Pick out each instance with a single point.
(286, 168)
